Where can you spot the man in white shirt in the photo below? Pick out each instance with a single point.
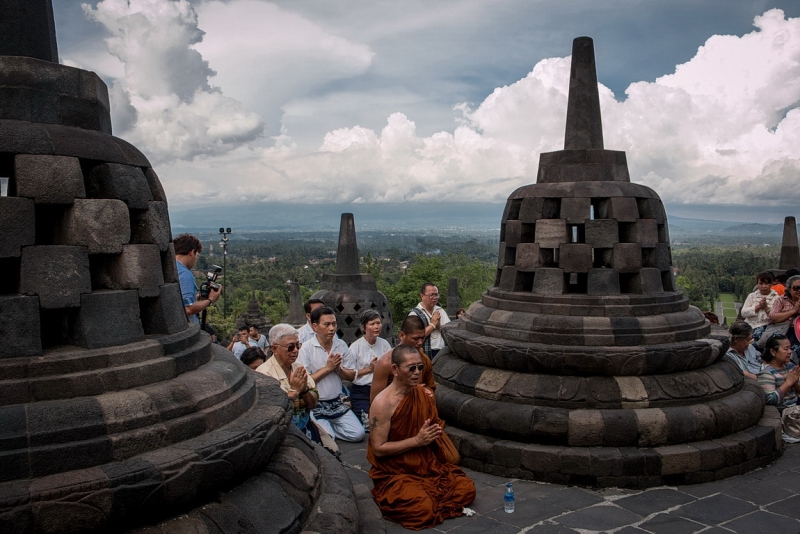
(434, 318)
(328, 360)
(240, 342)
(306, 332)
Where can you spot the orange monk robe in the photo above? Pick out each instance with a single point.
(421, 487)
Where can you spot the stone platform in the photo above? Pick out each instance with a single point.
(766, 499)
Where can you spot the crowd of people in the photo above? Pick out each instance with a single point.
(764, 345)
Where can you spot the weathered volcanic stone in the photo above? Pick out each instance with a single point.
(152, 225)
(529, 257)
(125, 182)
(164, 314)
(623, 209)
(132, 269)
(17, 226)
(575, 257)
(169, 268)
(108, 318)
(19, 326)
(156, 189)
(602, 233)
(548, 280)
(627, 257)
(551, 233)
(49, 179)
(643, 231)
(59, 275)
(576, 210)
(603, 282)
(101, 225)
(790, 252)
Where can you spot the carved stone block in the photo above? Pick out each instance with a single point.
(152, 225)
(548, 281)
(551, 233)
(576, 210)
(627, 257)
(651, 280)
(19, 326)
(59, 275)
(101, 225)
(164, 314)
(17, 225)
(529, 257)
(49, 179)
(125, 182)
(108, 318)
(602, 233)
(575, 257)
(132, 269)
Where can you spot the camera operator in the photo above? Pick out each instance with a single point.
(187, 250)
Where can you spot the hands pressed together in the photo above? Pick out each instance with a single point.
(428, 433)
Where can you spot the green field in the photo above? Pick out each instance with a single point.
(728, 306)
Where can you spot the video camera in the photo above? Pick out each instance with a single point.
(211, 277)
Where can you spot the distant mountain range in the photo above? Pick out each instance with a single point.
(410, 217)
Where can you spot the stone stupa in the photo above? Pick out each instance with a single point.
(348, 292)
(253, 316)
(297, 315)
(115, 412)
(790, 252)
(584, 364)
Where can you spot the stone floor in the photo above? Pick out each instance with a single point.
(766, 500)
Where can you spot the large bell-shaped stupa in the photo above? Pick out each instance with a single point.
(584, 363)
(115, 412)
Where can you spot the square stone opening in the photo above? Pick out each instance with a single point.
(575, 282)
(601, 208)
(576, 233)
(668, 281)
(630, 283)
(60, 322)
(663, 234)
(524, 282)
(7, 171)
(602, 257)
(48, 217)
(9, 280)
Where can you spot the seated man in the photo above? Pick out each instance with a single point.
(328, 360)
(412, 333)
(417, 483)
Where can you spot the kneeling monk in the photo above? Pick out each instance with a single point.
(417, 483)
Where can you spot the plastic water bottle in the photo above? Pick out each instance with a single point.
(508, 499)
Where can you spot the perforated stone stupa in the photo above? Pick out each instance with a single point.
(115, 412)
(583, 363)
(348, 292)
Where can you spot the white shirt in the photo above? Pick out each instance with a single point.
(239, 347)
(363, 353)
(314, 357)
(305, 332)
(437, 341)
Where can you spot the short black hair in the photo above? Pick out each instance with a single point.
(319, 312)
(412, 323)
(399, 353)
(185, 243)
(425, 286)
(772, 344)
(244, 327)
(307, 305)
(252, 354)
(765, 276)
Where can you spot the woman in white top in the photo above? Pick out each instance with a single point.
(366, 350)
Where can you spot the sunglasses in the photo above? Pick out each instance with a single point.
(795, 288)
(291, 346)
(416, 367)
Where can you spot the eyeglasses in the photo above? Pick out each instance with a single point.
(291, 346)
(433, 296)
(416, 367)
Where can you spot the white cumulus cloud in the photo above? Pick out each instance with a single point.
(164, 103)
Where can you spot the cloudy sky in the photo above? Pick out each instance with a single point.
(387, 101)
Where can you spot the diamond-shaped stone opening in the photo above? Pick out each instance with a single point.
(357, 307)
(373, 306)
(340, 333)
(348, 320)
(339, 307)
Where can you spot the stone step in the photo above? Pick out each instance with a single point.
(625, 467)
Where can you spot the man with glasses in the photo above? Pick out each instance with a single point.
(328, 359)
(785, 309)
(742, 352)
(416, 480)
(433, 316)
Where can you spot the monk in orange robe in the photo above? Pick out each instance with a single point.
(412, 333)
(416, 481)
